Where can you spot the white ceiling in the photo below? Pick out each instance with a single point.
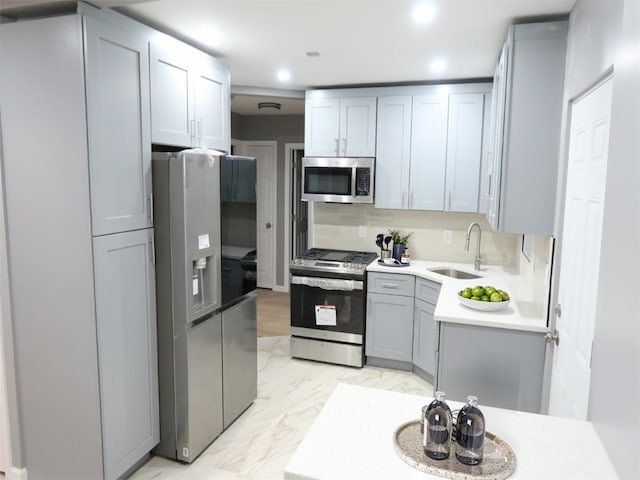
(360, 42)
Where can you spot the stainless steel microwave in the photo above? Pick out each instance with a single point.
(339, 180)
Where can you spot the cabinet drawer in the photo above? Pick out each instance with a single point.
(390, 283)
(427, 290)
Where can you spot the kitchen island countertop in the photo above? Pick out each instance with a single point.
(352, 439)
(525, 312)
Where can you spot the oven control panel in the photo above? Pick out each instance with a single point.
(327, 266)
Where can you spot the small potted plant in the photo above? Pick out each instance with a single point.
(399, 243)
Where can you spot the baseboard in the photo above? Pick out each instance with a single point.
(281, 288)
(15, 473)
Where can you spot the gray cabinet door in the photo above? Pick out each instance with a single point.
(393, 151)
(428, 151)
(127, 348)
(389, 327)
(503, 368)
(464, 152)
(424, 337)
(118, 114)
(212, 108)
(172, 102)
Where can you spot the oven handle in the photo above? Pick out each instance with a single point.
(328, 283)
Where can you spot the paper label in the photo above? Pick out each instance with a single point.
(203, 241)
(326, 315)
(196, 288)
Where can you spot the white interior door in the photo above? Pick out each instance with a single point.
(265, 154)
(580, 254)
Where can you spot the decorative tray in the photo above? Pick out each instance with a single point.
(392, 265)
(498, 461)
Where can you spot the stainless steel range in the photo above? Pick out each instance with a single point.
(328, 292)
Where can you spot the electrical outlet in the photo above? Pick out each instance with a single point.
(448, 236)
(362, 231)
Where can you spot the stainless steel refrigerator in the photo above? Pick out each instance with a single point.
(192, 355)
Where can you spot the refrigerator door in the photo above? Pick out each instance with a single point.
(239, 347)
(195, 204)
(203, 423)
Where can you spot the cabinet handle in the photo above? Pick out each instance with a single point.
(151, 207)
(337, 147)
(192, 130)
(153, 249)
(411, 200)
(449, 207)
(390, 285)
(344, 146)
(200, 131)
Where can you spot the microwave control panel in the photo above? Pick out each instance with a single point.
(363, 182)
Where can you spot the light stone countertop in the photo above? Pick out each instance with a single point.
(523, 313)
(352, 439)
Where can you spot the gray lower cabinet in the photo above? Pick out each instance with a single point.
(389, 328)
(127, 349)
(424, 337)
(503, 368)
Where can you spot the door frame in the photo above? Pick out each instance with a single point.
(243, 144)
(556, 270)
(288, 149)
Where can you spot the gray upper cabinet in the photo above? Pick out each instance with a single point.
(429, 148)
(127, 349)
(117, 90)
(428, 152)
(526, 118)
(189, 96)
(339, 126)
(393, 157)
(464, 152)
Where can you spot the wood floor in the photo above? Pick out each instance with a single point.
(273, 313)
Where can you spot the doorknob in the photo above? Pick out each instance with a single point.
(268, 225)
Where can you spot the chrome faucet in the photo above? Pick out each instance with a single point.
(476, 264)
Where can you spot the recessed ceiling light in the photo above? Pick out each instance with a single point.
(424, 12)
(313, 54)
(438, 65)
(284, 75)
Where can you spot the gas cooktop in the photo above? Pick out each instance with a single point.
(327, 260)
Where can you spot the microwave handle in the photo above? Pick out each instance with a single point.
(354, 181)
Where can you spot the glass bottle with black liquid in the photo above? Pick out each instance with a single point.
(470, 430)
(438, 423)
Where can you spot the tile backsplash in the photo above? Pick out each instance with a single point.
(338, 226)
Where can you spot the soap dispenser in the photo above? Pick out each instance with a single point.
(470, 430)
(438, 423)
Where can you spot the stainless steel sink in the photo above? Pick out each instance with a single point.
(453, 273)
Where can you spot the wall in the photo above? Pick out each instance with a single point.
(336, 226)
(283, 129)
(602, 34)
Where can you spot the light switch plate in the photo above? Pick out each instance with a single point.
(362, 231)
(448, 236)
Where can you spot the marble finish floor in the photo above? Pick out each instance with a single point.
(291, 393)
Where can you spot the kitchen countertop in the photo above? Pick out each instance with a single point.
(523, 313)
(352, 438)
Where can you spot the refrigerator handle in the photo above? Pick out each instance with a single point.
(151, 207)
(153, 249)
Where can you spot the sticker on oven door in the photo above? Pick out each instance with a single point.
(326, 315)
(203, 241)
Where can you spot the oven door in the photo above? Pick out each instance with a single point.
(327, 308)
